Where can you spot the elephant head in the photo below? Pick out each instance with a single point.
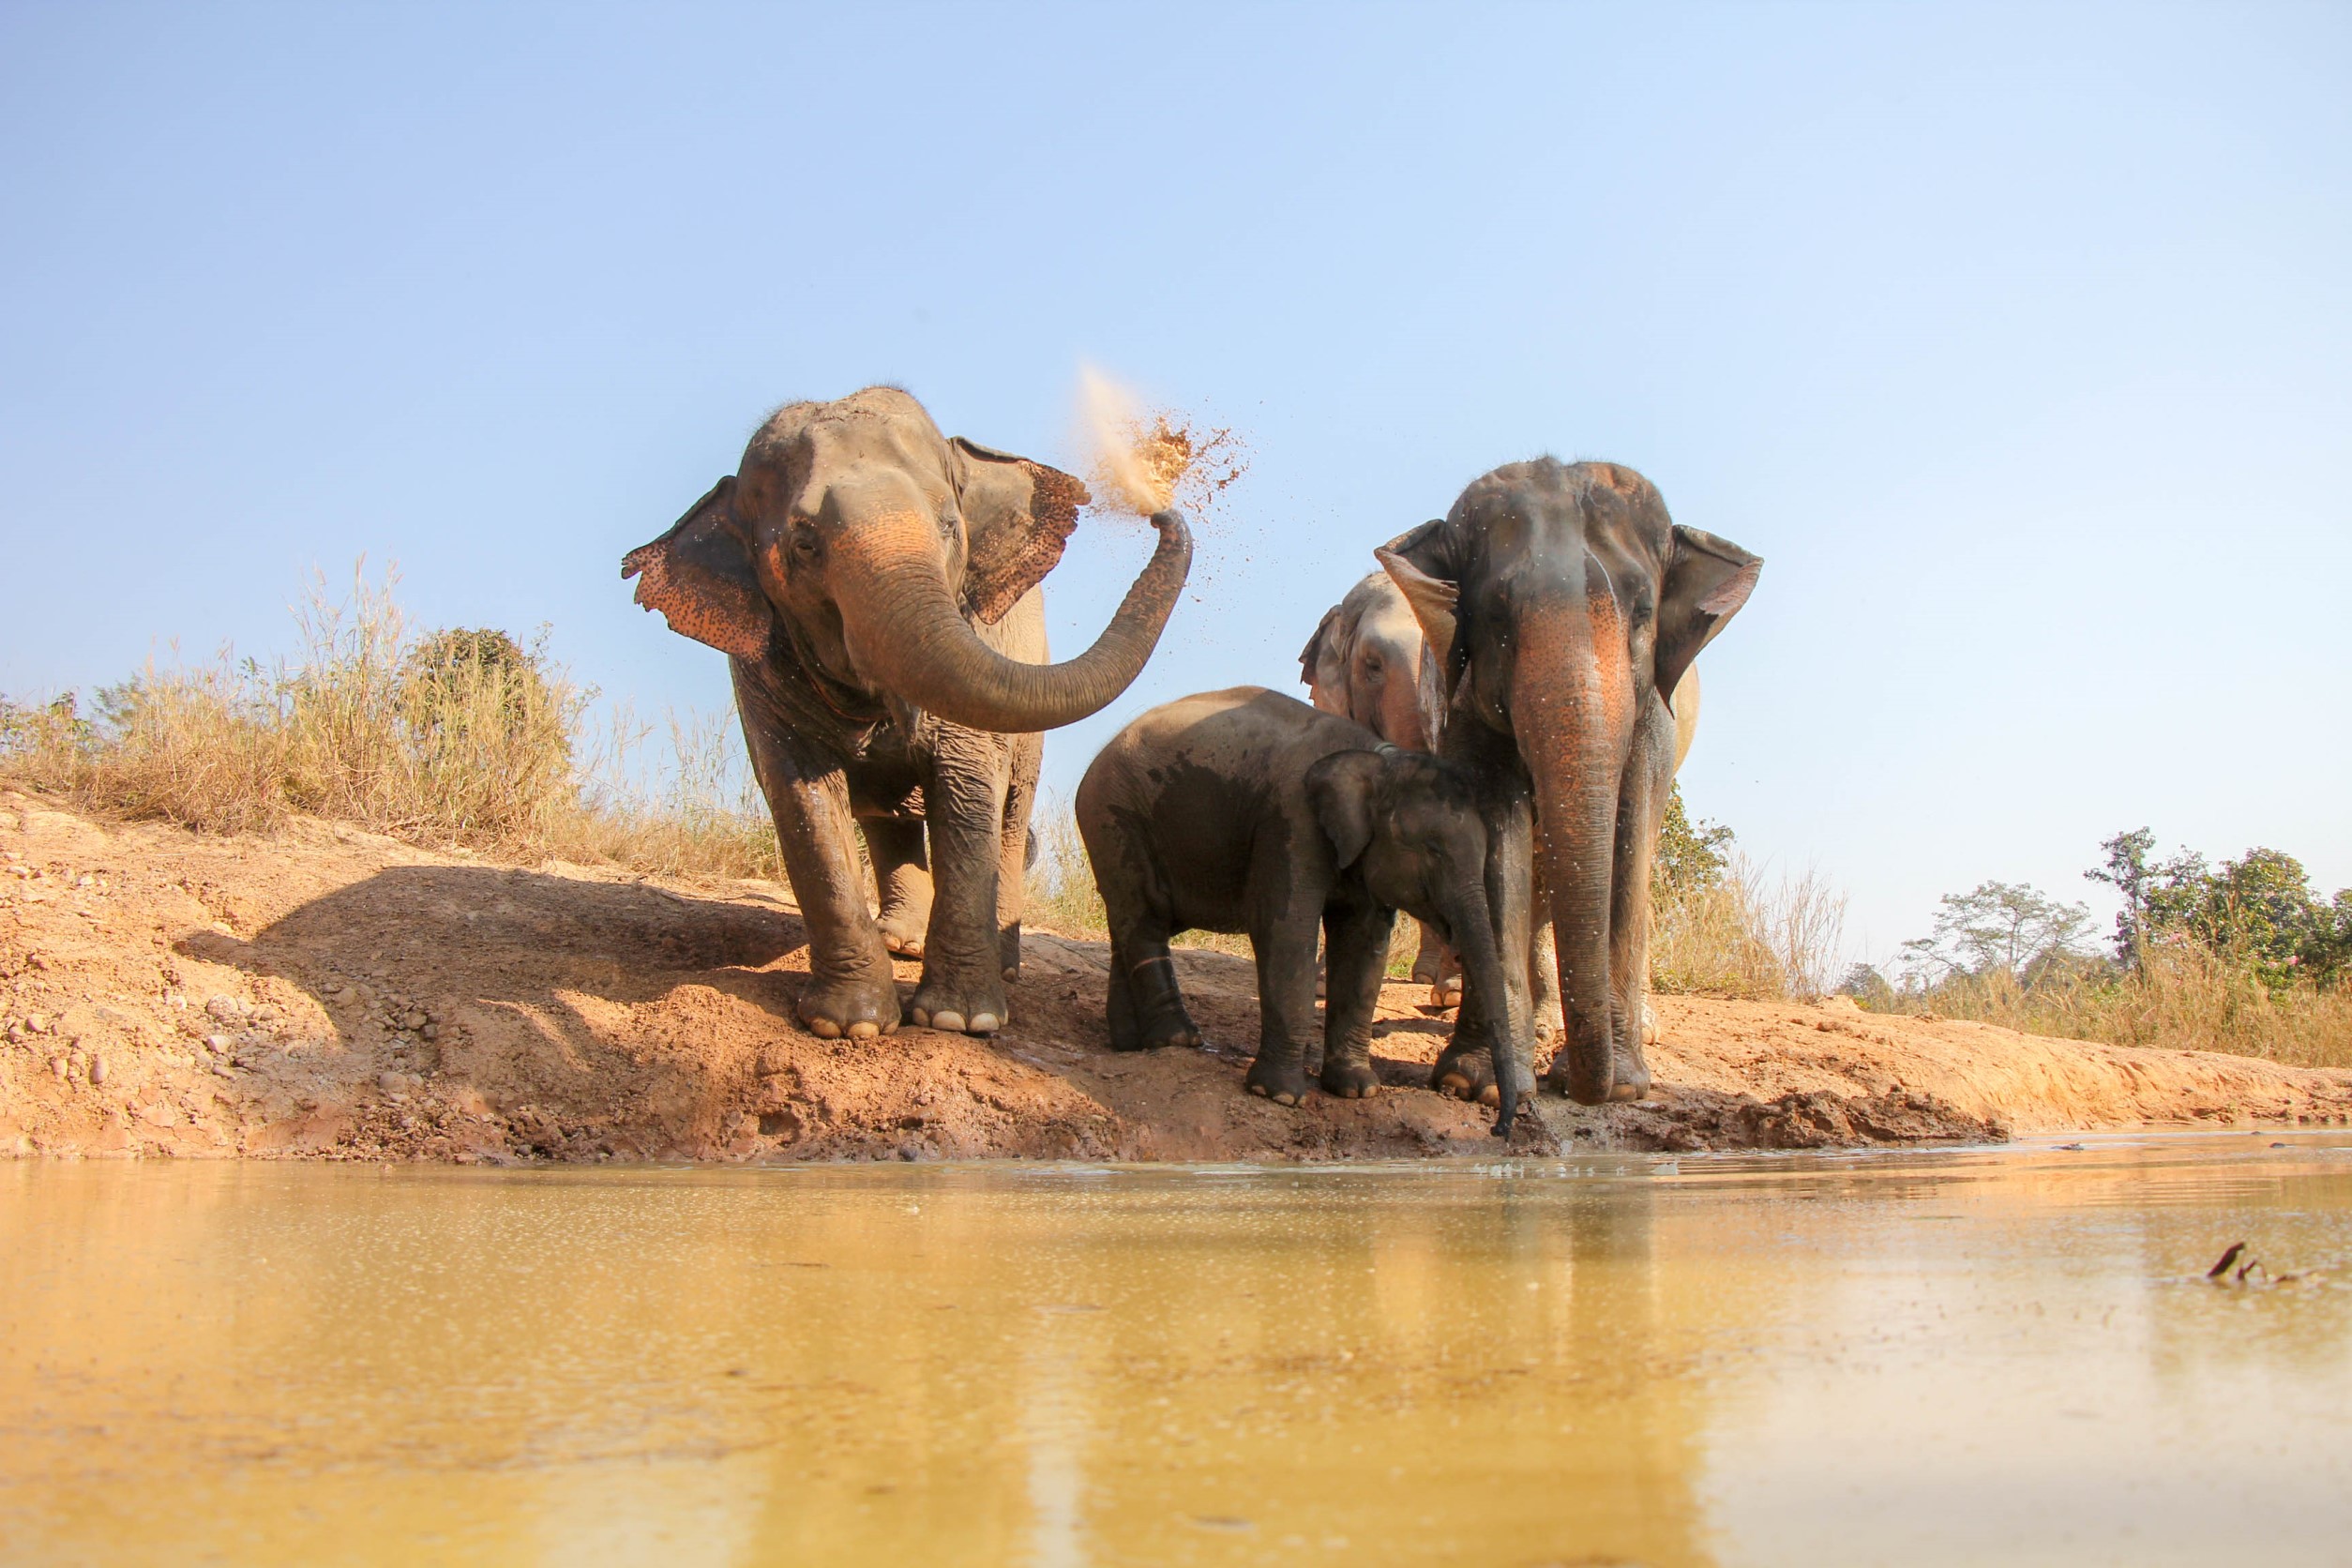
(1363, 663)
(1563, 607)
(858, 539)
(1408, 825)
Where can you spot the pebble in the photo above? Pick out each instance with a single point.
(215, 1042)
(37, 1022)
(98, 1069)
(58, 1064)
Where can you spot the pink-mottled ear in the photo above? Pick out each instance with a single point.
(700, 577)
(1432, 599)
(1322, 667)
(1018, 516)
(1707, 579)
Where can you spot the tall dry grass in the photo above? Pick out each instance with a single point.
(1739, 934)
(456, 737)
(2183, 996)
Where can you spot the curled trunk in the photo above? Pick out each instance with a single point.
(909, 637)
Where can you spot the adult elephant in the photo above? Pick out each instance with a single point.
(1562, 604)
(875, 586)
(1364, 662)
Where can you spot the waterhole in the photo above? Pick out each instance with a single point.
(1955, 1357)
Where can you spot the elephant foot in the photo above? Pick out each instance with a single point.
(1350, 1080)
(904, 941)
(851, 1009)
(957, 1010)
(1444, 995)
(1631, 1079)
(1466, 1073)
(1424, 972)
(1284, 1083)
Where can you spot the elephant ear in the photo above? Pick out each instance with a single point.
(1018, 516)
(1707, 581)
(1340, 789)
(1322, 664)
(700, 577)
(1415, 561)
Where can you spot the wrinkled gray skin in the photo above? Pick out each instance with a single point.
(875, 584)
(1364, 661)
(1246, 811)
(1560, 602)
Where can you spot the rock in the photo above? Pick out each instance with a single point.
(391, 1083)
(37, 1022)
(59, 1065)
(215, 1042)
(413, 1018)
(224, 1009)
(98, 1069)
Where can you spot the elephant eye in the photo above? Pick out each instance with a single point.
(805, 543)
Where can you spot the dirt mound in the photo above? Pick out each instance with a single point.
(330, 993)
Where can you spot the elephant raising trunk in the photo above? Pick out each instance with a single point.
(876, 586)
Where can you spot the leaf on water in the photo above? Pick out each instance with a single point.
(2227, 1259)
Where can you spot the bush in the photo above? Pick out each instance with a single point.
(2246, 959)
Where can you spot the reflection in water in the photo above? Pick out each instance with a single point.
(1929, 1358)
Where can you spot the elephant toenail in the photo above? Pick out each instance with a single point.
(921, 1018)
(1259, 1090)
(865, 1029)
(981, 1023)
(951, 1022)
(1287, 1099)
(1490, 1096)
(1012, 974)
(824, 1028)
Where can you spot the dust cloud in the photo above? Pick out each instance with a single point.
(1142, 460)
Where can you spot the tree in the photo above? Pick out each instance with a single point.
(1691, 858)
(1997, 926)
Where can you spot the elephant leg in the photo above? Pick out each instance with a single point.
(851, 987)
(1506, 803)
(962, 989)
(1446, 978)
(1012, 876)
(1284, 938)
(1543, 969)
(1146, 1007)
(1355, 953)
(902, 880)
(1649, 775)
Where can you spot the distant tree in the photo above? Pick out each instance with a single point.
(2259, 910)
(1690, 857)
(1997, 926)
(1869, 987)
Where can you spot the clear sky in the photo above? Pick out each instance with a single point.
(2018, 341)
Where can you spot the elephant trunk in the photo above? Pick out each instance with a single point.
(1467, 917)
(1572, 706)
(907, 634)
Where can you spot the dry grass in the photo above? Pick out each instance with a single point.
(2185, 997)
(1738, 935)
(454, 738)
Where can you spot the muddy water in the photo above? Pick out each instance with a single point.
(1905, 1359)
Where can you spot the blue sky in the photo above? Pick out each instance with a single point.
(2017, 339)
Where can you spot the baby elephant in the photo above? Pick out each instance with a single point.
(1245, 810)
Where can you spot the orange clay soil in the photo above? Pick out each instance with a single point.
(334, 994)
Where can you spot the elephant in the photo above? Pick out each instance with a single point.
(1247, 810)
(875, 586)
(1364, 661)
(1560, 605)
